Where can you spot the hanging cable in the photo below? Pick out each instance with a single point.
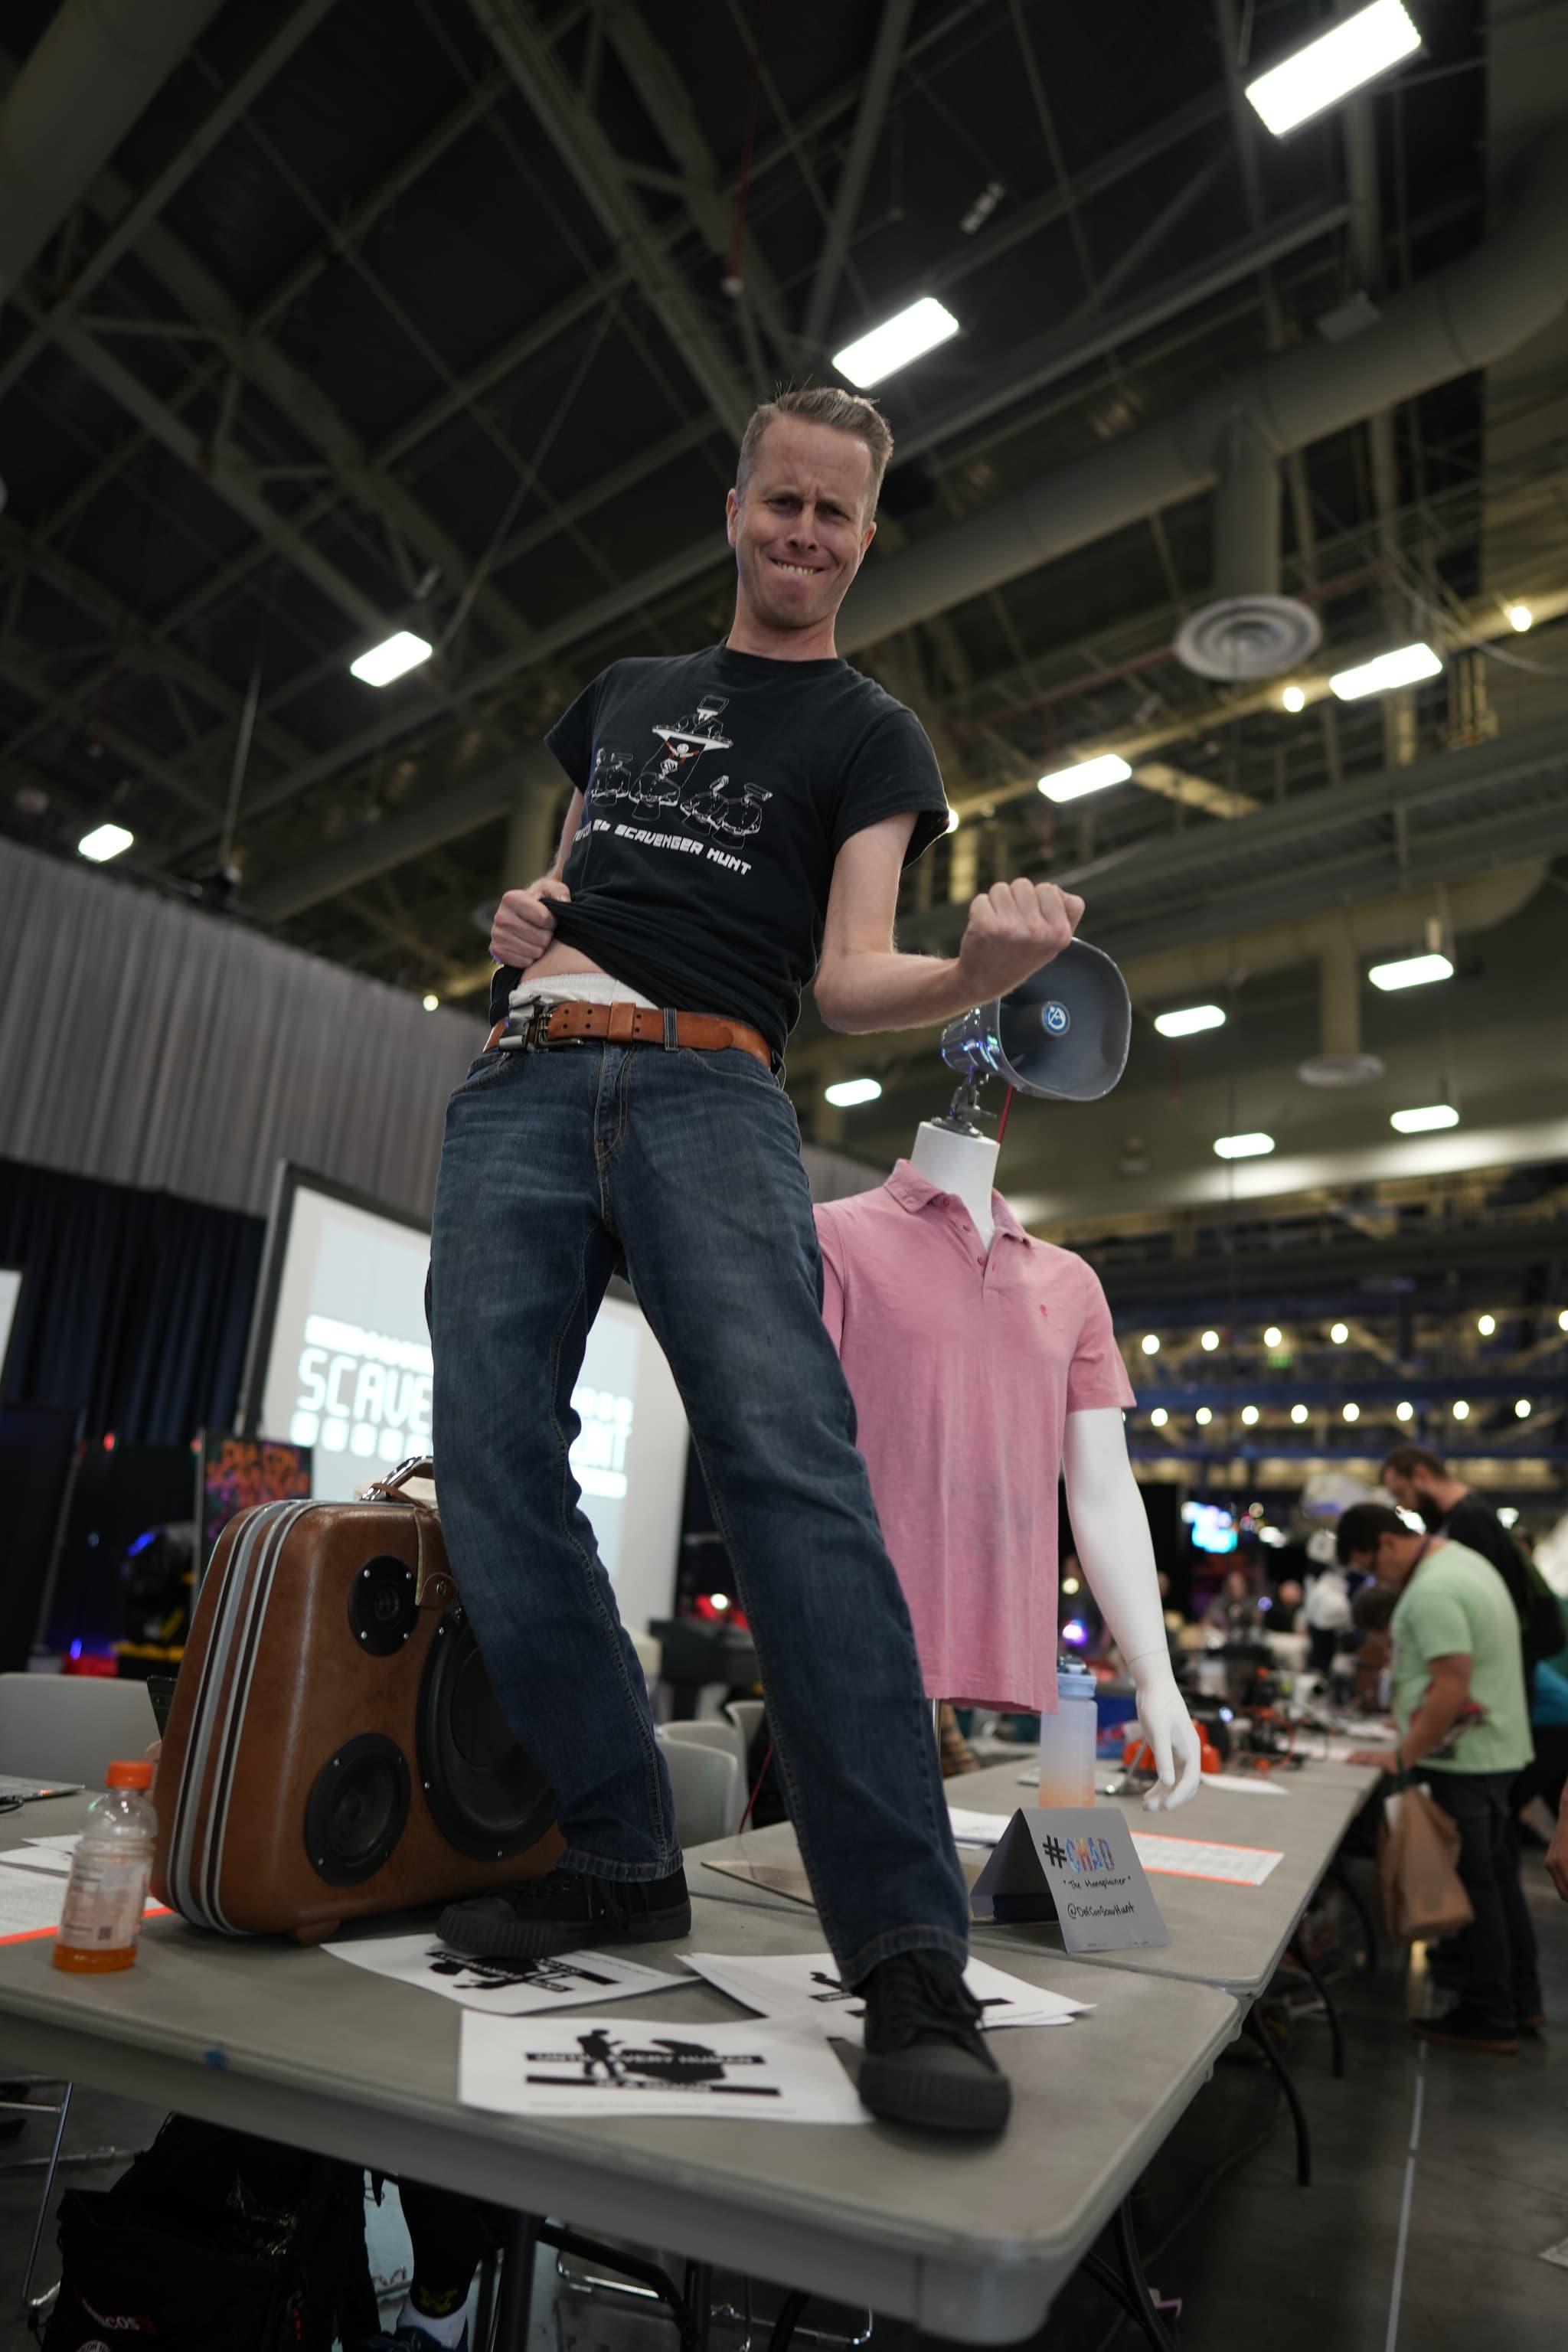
(733, 280)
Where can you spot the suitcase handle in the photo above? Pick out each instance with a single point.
(418, 1465)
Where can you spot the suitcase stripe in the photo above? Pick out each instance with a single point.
(192, 1780)
(264, 1571)
(247, 1578)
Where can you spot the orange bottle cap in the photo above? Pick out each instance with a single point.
(125, 1774)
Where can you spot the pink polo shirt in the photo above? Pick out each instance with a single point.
(963, 1368)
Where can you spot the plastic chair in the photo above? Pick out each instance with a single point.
(72, 1726)
(725, 1737)
(745, 1714)
(709, 1794)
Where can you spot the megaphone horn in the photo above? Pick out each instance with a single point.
(1063, 1033)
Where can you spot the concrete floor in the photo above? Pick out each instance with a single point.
(1320, 2269)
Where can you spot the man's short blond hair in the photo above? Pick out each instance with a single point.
(841, 411)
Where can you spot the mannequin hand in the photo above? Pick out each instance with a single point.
(524, 926)
(1173, 1735)
(1014, 928)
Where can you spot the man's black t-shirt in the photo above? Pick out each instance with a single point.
(720, 788)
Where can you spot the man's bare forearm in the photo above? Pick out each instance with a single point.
(1431, 1722)
(873, 991)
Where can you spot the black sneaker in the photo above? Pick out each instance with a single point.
(924, 2061)
(565, 1911)
(1465, 2029)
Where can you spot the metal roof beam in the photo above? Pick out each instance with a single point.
(667, 105)
(21, 668)
(135, 215)
(847, 196)
(587, 153)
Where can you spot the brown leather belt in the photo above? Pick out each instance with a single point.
(628, 1025)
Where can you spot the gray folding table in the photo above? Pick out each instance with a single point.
(970, 2241)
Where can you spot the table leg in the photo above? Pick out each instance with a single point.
(1260, 2032)
(698, 2287)
(485, 2314)
(784, 2326)
(1143, 2305)
(1338, 1876)
(1299, 1954)
(61, 2112)
(516, 2309)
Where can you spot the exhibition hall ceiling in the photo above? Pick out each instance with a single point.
(443, 316)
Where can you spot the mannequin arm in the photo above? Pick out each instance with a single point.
(1111, 1531)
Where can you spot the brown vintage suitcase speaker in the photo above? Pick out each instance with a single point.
(333, 1746)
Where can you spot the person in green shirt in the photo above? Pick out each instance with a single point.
(1464, 1723)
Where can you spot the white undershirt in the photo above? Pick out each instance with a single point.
(577, 988)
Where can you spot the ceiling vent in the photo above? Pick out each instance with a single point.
(1250, 631)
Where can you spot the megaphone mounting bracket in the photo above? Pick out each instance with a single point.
(964, 1112)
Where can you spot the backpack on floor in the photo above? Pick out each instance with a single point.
(215, 2241)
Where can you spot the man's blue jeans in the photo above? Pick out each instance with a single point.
(560, 1168)
(1500, 1975)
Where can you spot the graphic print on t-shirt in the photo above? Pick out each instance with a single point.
(668, 779)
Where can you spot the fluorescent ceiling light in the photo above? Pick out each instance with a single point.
(1087, 776)
(1352, 1412)
(1273, 1335)
(1521, 1410)
(1339, 1333)
(1249, 1416)
(430, 1001)
(1298, 1414)
(1203, 1416)
(1159, 1417)
(1209, 1341)
(1405, 1411)
(850, 1091)
(1485, 1324)
(400, 652)
(1461, 1410)
(1243, 1147)
(1562, 1320)
(1411, 971)
(892, 346)
(953, 820)
(1421, 1122)
(1189, 1020)
(1520, 617)
(1340, 60)
(104, 842)
(1151, 1343)
(1404, 667)
(1294, 699)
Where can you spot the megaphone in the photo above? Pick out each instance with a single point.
(1063, 1033)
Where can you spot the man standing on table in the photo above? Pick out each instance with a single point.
(646, 1128)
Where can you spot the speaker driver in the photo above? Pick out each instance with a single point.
(1062, 1033)
(485, 1795)
(383, 1605)
(357, 1809)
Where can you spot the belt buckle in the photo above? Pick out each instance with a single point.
(530, 1036)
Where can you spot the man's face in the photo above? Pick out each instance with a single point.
(797, 529)
(1391, 1562)
(1401, 1485)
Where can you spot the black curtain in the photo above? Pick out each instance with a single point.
(134, 1305)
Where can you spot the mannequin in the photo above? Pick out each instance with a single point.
(1111, 1528)
(960, 1163)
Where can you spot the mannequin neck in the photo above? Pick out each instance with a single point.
(964, 1165)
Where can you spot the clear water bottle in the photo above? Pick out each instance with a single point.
(1068, 1739)
(109, 1873)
